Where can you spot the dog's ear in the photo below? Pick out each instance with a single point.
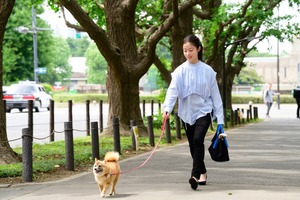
(96, 159)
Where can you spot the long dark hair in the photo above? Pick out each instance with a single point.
(195, 41)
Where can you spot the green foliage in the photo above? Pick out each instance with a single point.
(245, 99)
(18, 48)
(79, 98)
(158, 120)
(259, 54)
(236, 99)
(248, 76)
(78, 46)
(152, 79)
(58, 67)
(11, 170)
(47, 87)
(97, 65)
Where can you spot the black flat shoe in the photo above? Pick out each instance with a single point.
(194, 183)
(202, 182)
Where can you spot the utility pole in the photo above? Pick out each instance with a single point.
(35, 48)
(278, 77)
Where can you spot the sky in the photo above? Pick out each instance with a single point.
(268, 45)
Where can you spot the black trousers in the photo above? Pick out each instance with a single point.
(298, 108)
(196, 135)
(269, 105)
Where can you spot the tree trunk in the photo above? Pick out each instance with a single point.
(182, 28)
(123, 80)
(127, 61)
(7, 154)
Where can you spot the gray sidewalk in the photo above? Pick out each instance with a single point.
(265, 163)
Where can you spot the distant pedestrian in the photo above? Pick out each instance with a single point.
(268, 95)
(296, 95)
(194, 85)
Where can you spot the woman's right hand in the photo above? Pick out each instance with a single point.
(166, 115)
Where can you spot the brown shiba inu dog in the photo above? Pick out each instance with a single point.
(107, 172)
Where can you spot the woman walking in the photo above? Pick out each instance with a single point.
(194, 84)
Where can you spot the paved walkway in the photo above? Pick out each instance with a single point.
(265, 163)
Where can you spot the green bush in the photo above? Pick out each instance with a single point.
(236, 99)
(79, 98)
(245, 99)
(47, 87)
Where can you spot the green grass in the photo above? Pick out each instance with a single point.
(51, 156)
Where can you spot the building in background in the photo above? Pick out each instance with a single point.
(289, 68)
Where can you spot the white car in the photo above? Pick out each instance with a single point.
(4, 89)
(17, 96)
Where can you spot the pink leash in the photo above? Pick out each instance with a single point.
(152, 152)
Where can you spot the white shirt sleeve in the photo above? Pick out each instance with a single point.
(217, 103)
(171, 96)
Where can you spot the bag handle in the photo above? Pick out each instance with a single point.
(219, 131)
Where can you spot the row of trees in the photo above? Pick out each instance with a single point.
(127, 33)
(53, 51)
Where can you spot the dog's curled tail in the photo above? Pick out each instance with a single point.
(112, 156)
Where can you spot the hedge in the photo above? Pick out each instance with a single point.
(236, 99)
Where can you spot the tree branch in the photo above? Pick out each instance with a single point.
(95, 32)
(69, 24)
(162, 69)
(147, 50)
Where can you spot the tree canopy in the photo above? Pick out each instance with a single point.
(97, 66)
(53, 53)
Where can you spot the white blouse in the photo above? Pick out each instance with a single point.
(197, 90)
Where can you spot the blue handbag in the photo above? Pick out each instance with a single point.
(219, 147)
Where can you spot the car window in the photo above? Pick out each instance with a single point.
(21, 89)
(41, 89)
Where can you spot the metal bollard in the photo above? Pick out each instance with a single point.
(133, 136)
(26, 155)
(178, 125)
(150, 130)
(243, 116)
(231, 118)
(250, 110)
(144, 108)
(152, 107)
(88, 128)
(117, 143)
(101, 115)
(51, 121)
(70, 113)
(255, 112)
(30, 116)
(69, 146)
(95, 140)
(236, 117)
(168, 131)
(248, 115)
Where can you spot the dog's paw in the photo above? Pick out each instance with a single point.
(102, 195)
